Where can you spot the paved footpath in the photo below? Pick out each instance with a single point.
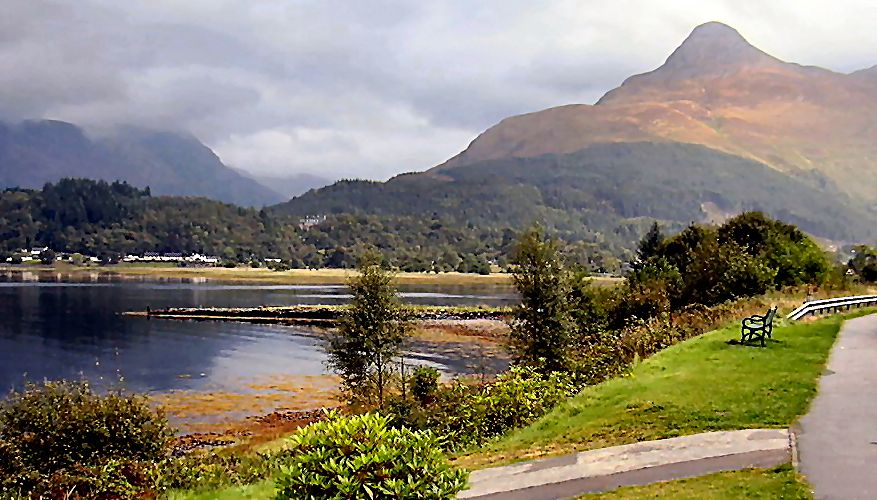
(641, 463)
(837, 439)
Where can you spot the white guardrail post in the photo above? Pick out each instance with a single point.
(834, 305)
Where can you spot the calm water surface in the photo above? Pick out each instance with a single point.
(60, 327)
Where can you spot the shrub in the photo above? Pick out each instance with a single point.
(60, 434)
(464, 415)
(795, 258)
(217, 469)
(424, 383)
(362, 457)
(47, 257)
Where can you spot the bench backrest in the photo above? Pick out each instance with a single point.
(768, 318)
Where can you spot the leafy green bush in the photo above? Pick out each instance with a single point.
(464, 415)
(362, 457)
(795, 258)
(424, 383)
(59, 435)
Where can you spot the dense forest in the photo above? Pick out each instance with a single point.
(110, 220)
(605, 194)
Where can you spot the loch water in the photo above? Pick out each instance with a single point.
(54, 326)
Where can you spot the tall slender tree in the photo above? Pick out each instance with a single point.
(649, 246)
(542, 327)
(371, 333)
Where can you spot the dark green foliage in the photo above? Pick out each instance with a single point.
(744, 257)
(467, 415)
(222, 468)
(650, 245)
(424, 384)
(720, 272)
(609, 193)
(369, 336)
(362, 457)
(864, 263)
(590, 308)
(47, 257)
(107, 220)
(58, 435)
(540, 332)
(783, 247)
(649, 291)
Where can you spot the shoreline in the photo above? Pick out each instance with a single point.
(263, 276)
(265, 408)
(257, 276)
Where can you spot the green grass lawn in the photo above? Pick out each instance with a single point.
(781, 482)
(704, 384)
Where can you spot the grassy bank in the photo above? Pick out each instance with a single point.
(704, 384)
(780, 482)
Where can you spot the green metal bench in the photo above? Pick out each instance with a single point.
(757, 327)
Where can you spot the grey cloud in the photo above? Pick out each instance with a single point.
(366, 88)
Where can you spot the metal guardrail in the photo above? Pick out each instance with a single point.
(834, 305)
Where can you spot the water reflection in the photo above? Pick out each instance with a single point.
(53, 329)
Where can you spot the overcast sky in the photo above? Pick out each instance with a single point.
(366, 88)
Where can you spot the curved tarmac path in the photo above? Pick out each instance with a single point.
(837, 439)
(633, 464)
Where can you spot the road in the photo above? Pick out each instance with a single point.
(837, 439)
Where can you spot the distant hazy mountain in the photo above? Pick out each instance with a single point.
(719, 128)
(294, 185)
(35, 152)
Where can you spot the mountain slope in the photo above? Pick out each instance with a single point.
(718, 91)
(599, 193)
(293, 185)
(35, 152)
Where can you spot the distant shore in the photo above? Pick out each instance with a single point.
(267, 276)
(259, 275)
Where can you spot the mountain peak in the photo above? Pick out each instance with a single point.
(867, 72)
(711, 48)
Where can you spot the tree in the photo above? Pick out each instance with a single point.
(795, 257)
(370, 335)
(541, 330)
(649, 246)
(47, 257)
(864, 263)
